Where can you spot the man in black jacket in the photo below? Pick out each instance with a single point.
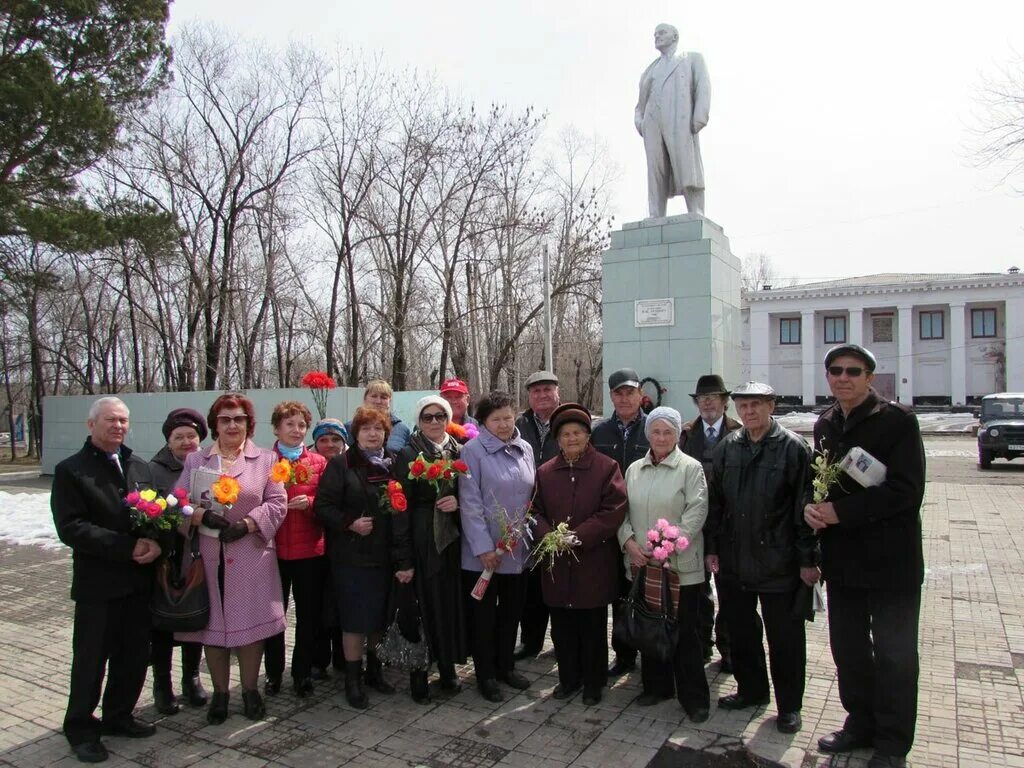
(756, 539)
(872, 560)
(698, 439)
(533, 425)
(622, 437)
(110, 584)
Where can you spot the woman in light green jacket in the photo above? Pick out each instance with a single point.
(668, 484)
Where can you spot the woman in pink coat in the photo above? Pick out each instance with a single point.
(239, 556)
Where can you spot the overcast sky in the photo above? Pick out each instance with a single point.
(839, 139)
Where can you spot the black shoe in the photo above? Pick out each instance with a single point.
(418, 687)
(320, 674)
(739, 701)
(253, 706)
(90, 752)
(273, 686)
(882, 760)
(590, 698)
(707, 655)
(725, 666)
(514, 680)
(649, 699)
(563, 692)
(450, 685)
(304, 687)
(131, 728)
(621, 667)
(193, 691)
(843, 741)
(218, 711)
(489, 690)
(354, 694)
(374, 676)
(788, 722)
(163, 697)
(525, 652)
(698, 715)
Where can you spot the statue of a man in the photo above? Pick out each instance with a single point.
(675, 98)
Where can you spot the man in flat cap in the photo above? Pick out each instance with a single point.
(535, 427)
(623, 438)
(872, 560)
(698, 439)
(757, 541)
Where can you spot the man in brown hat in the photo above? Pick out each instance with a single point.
(698, 439)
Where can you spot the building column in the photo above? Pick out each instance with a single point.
(855, 333)
(1014, 344)
(808, 364)
(905, 347)
(760, 345)
(957, 355)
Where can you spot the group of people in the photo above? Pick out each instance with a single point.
(453, 560)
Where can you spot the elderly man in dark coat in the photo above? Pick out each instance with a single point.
(872, 561)
(111, 579)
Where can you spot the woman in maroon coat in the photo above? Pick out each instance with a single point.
(584, 489)
(300, 551)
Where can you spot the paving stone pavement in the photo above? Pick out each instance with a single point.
(971, 709)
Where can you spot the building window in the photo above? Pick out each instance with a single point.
(881, 328)
(930, 324)
(983, 323)
(789, 330)
(835, 330)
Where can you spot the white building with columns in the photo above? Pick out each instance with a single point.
(940, 339)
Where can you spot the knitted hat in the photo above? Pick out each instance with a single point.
(184, 417)
(324, 426)
(440, 402)
(568, 413)
(664, 413)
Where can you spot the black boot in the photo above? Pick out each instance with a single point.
(354, 694)
(449, 678)
(252, 704)
(418, 686)
(191, 685)
(375, 676)
(218, 711)
(163, 695)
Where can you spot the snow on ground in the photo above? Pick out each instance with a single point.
(930, 422)
(25, 518)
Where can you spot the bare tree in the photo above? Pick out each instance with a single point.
(1000, 128)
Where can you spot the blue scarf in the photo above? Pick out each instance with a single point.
(376, 458)
(292, 454)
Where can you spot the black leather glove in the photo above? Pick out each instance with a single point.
(234, 532)
(215, 520)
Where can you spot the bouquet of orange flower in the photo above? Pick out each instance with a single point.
(319, 382)
(393, 501)
(462, 432)
(290, 472)
(225, 491)
(440, 473)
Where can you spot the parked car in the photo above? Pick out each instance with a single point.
(1001, 427)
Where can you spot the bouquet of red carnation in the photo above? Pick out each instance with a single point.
(319, 383)
(393, 501)
(440, 473)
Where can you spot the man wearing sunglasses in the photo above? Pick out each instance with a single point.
(872, 561)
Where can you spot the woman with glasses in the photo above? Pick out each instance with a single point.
(433, 521)
(239, 556)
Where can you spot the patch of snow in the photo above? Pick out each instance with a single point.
(26, 519)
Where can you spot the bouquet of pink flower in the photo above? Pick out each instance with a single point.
(152, 513)
(664, 540)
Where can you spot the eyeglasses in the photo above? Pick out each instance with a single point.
(239, 420)
(429, 417)
(852, 371)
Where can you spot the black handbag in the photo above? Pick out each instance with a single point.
(654, 633)
(404, 643)
(181, 602)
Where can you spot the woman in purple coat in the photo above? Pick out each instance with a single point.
(237, 546)
(499, 487)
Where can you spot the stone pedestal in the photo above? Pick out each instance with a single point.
(686, 260)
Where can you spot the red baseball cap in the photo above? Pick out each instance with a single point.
(454, 385)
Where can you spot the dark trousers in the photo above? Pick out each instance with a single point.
(709, 622)
(493, 622)
(110, 636)
(580, 636)
(787, 651)
(534, 622)
(624, 653)
(873, 634)
(161, 652)
(685, 675)
(305, 579)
